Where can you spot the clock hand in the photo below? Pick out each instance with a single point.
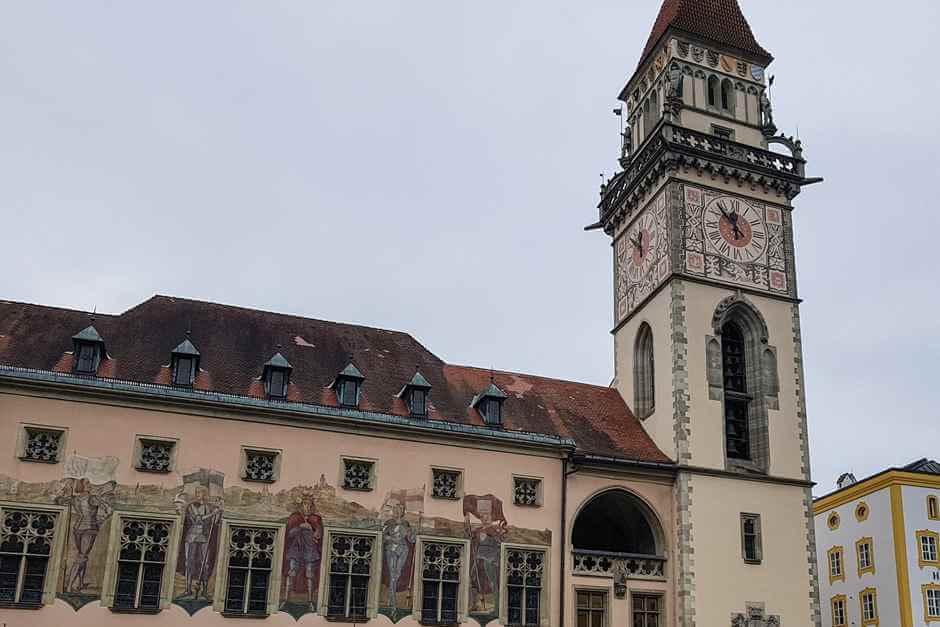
(721, 208)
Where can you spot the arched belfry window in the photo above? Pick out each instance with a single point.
(644, 387)
(714, 87)
(742, 374)
(727, 96)
(737, 399)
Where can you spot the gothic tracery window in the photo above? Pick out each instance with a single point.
(250, 562)
(524, 572)
(42, 445)
(141, 561)
(440, 573)
(350, 571)
(25, 549)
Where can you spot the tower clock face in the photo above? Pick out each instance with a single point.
(734, 229)
(641, 257)
(736, 240)
(642, 239)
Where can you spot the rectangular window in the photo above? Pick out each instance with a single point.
(183, 374)
(277, 383)
(932, 601)
(155, 455)
(441, 564)
(866, 556)
(592, 608)
(933, 508)
(524, 579)
(358, 474)
(737, 431)
(838, 612)
(142, 559)
(526, 491)
(25, 551)
(250, 562)
(350, 571)
(350, 393)
(419, 406)
(647, 610)
(722, 132)
(86, 358)
(927, 541)
(869, 607)
(260, 465)
(445, 484)
(751, 538)
(40, 444)
(836, 572)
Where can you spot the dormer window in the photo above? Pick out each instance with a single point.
(490, 405)
(415, 394)
(184, 360)
(88, 351)
(347, 386)
(277, 376)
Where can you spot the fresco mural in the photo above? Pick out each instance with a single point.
(90, 493)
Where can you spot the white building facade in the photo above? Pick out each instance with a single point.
(878, 549)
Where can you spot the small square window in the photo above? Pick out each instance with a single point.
(358, 474)
(155, 454)
(526, 491)
(722, 132)
(591, 608)
(647, 610)
(42, 444)
(260, 465)
(751, 548)
(445, 483)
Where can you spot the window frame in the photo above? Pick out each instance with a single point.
(375, 572)
(78, 357)
(870, 568)
(873, 594)
(862, 511)
(109, 580)
(175, 370)
(644, 371)
(922, 562)
(463, 586)
(544, 597)
(840, 552)
(833, 521)
(758, 539)
(925, 589)
(593, 590)
(139, 441)
(23, 440)
(373, 473)
(539, 490)
(222, 562)
(460, 482)
(648, 593)
(933, 507)
(839, 598)
(56, 551)
(243, 464)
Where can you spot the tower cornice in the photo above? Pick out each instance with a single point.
(670, 148)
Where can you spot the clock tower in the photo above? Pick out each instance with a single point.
(706, 314)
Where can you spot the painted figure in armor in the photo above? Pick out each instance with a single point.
(398, 540)
(303, 548)
(90, 507)
(486, 537)
(201, 520)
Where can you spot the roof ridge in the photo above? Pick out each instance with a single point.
(531, 376)
(6, 301)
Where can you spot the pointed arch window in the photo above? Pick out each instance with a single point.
(737, 400)
(644, 387)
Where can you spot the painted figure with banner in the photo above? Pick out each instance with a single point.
(202, 519)
(88, 490)
(486, 537)
(398, 541)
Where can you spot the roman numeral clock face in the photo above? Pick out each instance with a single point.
(734, 229)
(736, 240)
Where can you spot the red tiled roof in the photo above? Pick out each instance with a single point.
(234, 343)
(718, 21)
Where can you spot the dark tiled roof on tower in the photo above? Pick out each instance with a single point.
(717, 21)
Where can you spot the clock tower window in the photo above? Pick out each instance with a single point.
(737, 400)
(643, 373)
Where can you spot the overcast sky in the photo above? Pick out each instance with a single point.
(428, 166)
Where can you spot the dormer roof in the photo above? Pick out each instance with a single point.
(278, 361)
(186, 347)
(492, 391)
(88, 334)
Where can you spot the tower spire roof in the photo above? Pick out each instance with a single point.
(718, 21)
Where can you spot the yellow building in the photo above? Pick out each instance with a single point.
(189, 462)
(878, 542)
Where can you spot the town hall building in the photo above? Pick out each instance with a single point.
(186, 462)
